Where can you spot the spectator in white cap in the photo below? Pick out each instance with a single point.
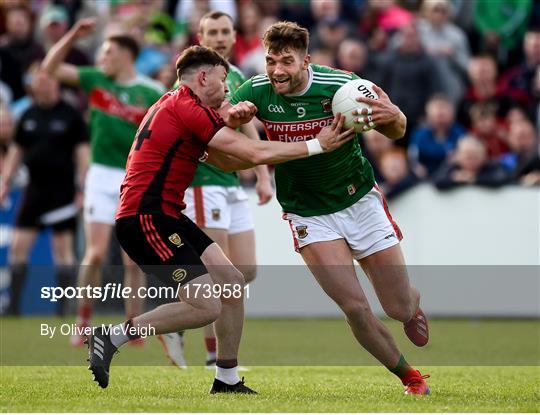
(54, 23)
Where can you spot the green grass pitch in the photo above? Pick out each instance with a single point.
(295, 365)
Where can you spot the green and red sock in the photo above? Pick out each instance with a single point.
(403, 370)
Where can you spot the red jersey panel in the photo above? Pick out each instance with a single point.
(171, 139)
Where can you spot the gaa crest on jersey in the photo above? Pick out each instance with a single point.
(179, 274)
(276, 109)
(216, 214)
(302, 232)
(175, 239)
(351, 189)
(326, 105)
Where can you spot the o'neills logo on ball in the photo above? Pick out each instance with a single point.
(366, 92)
(179, 274)
(301, 231)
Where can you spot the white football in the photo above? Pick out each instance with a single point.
(344, 101)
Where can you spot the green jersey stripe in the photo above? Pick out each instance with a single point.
(329, 83)
(330, 79)
(320, 75)
(327, 75)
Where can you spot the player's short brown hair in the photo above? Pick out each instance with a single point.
(197, 56)
(283, 36)
(125, 42)
(213, 15)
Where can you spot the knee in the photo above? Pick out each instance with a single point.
(400, 311)
(250, 273)
(357, 311)
(233, 289)
(230, 275)
(94, 257)
(18, 254)
(61, 257)
(16, 258)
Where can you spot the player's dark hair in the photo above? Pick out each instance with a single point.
(213, 15)
(126, 42)
(482, 110)
(439, 96)
(283, 36)
(196, 56)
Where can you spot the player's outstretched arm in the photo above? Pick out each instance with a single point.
(263, 186)
(12, 162)
(241, 115)
(226, 162)
(54, 60)
(387, 117)
(268, 152)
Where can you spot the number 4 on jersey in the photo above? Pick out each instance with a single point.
(145, 132)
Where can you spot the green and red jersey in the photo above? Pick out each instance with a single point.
(116, 111)
(321, 184)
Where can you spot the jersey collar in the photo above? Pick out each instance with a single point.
(303, 91)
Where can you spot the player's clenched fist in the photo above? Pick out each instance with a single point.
(84, 27)
(332, 136)
(241, 113)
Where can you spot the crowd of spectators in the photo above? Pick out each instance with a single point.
(466, 73)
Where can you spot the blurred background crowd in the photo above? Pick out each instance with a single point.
(466, 73)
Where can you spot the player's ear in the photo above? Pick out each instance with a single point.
(201, 77)
(307, 60)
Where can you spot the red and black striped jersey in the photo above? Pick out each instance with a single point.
(171, 139)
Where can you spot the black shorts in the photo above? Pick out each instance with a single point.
(37, 203)
(164, 246)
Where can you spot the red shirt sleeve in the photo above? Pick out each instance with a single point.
(204, 122)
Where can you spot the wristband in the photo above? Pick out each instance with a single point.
(314, 147)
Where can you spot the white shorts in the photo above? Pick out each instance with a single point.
(219, 207)
(367, 226)
(102, 193)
